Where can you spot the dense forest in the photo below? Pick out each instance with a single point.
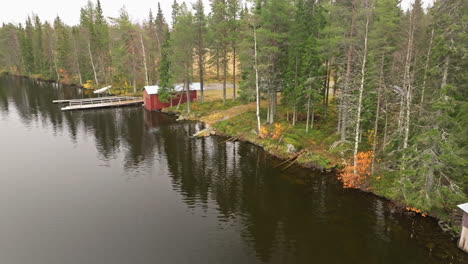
(393, 83)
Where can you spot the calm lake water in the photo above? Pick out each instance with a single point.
(129, 186)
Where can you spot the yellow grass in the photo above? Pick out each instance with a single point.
(211, 95)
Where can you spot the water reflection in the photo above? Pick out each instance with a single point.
(293, 216)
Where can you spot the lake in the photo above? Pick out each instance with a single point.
(125, 185)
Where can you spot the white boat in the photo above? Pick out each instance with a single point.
(102, 90)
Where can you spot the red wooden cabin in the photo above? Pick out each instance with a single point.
(152, 102)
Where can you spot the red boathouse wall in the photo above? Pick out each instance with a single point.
(152, 102)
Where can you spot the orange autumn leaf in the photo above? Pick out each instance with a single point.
(358, 180)
(278, 131)
(263, 133)
(416, 210)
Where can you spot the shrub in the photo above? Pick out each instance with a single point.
(358, 177)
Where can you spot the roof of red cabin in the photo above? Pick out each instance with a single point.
(153, 89)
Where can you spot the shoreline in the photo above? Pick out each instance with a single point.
(41, 79)
(334, 166)
(335, 169)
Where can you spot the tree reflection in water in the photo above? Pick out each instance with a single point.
(293, 216)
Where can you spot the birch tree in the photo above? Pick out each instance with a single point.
(361, 88)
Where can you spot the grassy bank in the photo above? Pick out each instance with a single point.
(281, 139)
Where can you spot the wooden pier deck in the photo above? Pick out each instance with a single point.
(101, 102)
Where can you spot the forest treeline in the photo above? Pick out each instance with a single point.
(393, 82)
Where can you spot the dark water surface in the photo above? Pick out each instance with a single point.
(128, 186)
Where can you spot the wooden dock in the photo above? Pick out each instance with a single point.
(101, 102)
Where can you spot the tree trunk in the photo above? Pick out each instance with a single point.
(361, 91)
(344, 94)
(338, 126)
(217, 65)
(294, 115)
(257, 90)
(384, 143)
(407, 82)
(187, 89)
(308, 114)
(327, 90)
(272, 112)
(200, 71)
(312, 118)
(234, 74)
(426, 67)
(56, 68)
(77, 60)
(92, 63)
(144, 59)
(224, 75)
(377, 112)
(180, 96)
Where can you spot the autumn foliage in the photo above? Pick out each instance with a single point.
(357, 178)
(416, 210)
(263, 133)
(279, 129)
(88, 85)
(275, 134)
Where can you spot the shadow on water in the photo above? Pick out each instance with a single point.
(293, 216)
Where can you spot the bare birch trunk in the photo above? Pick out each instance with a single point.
(312, 115)
(273, 103)
(56, 68)
(445, 75)
(308, 114)
(384, 143)
(294, 115)
(361, 91)
(338, 126)
(144, 59)
(187, 86)
(217, 65)
(234, 74)
(429, 50)
(77, 60)
(180, 96)
(377, 115)
(295, 107)
(224, 76)
(327, 90)
(92, 63)
(159, 44)
(200, 73)
(344, 99)
(257, 90)
(407, 82)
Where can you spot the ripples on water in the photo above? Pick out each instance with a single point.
(129, 186)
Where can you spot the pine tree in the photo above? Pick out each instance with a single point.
(200, 42)
(220, 41)
(27, 47)
(304, 63)
(127, 53)
(64, 51)
(37, 46)
(275, 20)
(175, 13)
(233, 12)
(166, 86)
(182, 49)
(100, 42)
